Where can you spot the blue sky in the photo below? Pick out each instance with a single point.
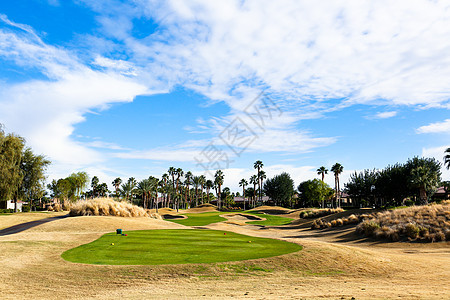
(130, 88)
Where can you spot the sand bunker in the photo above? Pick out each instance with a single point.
(241, 219)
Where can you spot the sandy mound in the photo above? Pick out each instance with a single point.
(240, 219)
(202, 208)
(271, 210)
(163, 210)
(108, 207)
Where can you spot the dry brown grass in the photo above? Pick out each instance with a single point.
(108, 207)
(428, 223)
(317, 213)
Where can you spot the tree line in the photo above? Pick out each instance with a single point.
(416, 181)
(22, 173)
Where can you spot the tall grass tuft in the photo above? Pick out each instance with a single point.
(108, 207)
(317, 213)
(429, 223)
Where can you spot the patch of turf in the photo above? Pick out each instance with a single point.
(176, 246)
(200, 219)
(271, 220)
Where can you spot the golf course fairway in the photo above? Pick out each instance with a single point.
(176, 246)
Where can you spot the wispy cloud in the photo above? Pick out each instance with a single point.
(384, 115)
(438, 127)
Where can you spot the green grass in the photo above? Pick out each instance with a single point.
(200, 219)
(270, 220)
(206, 218)
(176, 246)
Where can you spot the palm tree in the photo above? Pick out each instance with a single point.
(144, 188)
(447, 158)
(262, 176)
(188, 177)
(202, 184)
(196, 182)
(209, 185)
(322, 171)
(179, 173)
(165, 179)
(172, 172)
(116, 183)
(258, 165)
(254, 180)
(243, 183)
(218, 180)
(337, 169)
(154, 182)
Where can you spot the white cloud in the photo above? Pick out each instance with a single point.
(438, 127)
(385, 115)
(46, 111)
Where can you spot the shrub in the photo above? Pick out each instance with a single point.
(6, 211)
(412, 231)
(317, 213)
(429, 223)
(25, 208)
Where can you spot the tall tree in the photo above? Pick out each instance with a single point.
(94, 183)
(322, 171)
(172, 172)
(218, 180)
(196, 182)
(209, 185)
(116, 183)
(11, 151)
(280, 189)
(447, 158)
(202, 185)
(243, 183)
(144, 188)
(254, 180)
(337, 169)
(187, 195)
(180, 174)
(258, 165)
(33, 168)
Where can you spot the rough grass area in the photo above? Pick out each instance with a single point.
(317, 213)
(176, 246)
(271, 220)
(429, 223)
(108, 207)
(200, 219)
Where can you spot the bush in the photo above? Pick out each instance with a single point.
(317, 213)
(428, 223)
(6, 211)
(25, 208)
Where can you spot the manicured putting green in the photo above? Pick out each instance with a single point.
(176, 246)
(206, 218)
(200, 219)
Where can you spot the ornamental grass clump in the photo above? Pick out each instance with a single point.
(350, 220)
(317, 213)
(430, 223)
(108, 207)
